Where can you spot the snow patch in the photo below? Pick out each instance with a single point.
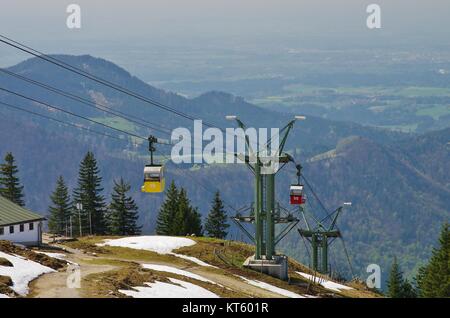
(166, 290)
(60, 256)
(173, 270)
(271, 288)
(193, 260)
(156, 243)
(4, 296)
(22, 272)
(325, 283)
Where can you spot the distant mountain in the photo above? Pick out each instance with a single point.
(398, 183)
(398, 206)
(313, 136)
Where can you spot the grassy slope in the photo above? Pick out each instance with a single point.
(227, 256)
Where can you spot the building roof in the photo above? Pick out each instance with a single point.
(11, 213)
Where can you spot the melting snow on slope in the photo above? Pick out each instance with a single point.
(60, 256)
(158, 244)
(169, 269)
(22, 272)
(193, 259)
(325, 283)
(271, 288)
(166, 290)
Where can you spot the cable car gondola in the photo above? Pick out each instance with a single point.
(296, 194)
(154, 181)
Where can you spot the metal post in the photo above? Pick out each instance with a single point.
(324, 254)
(270, 211)
(314, 251)
(258, 219)
(79, 221)
(79, 207)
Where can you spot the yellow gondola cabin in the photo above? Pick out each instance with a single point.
(154, 181)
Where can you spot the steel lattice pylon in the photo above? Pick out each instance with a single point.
(265, 211)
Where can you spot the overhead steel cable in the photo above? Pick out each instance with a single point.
(96, 122)
(72, 113)
(200, 184)
(327, 213)
(347, 255)
(61, 121)
(24, 48)
(99, 106)
(71, 68)
(41, 55)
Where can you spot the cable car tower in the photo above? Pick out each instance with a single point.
(265, 213)
(321, 237)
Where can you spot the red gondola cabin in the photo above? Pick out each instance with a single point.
(296, 194)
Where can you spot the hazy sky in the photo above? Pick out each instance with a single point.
(198, 23)
(112, 18)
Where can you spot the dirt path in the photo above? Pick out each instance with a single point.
(54, 285)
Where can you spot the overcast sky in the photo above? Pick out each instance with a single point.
(202, 22)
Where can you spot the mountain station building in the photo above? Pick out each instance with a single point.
(19, 225)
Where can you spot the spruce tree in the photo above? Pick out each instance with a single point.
(434, 279)
(194, 225)
(216, 223)
(408, 290)
(395, 281)
(164, 223)
(187, 220)
(10, 187)
(61, 208)
(123, 211)
(181, 217)
(88, 193)
(398, 287)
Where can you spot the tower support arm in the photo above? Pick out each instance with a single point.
(243, 229)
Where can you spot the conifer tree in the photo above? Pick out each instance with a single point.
(194, 222)
(10, 187)
(123, 211)
(88, 193)
(398, 287)
(165, 221)
(216, 223)
(181, 217)
(434, 279)
(408, 290)
(395, 281)
(177, 216)
(61, 208)
(187, 219)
